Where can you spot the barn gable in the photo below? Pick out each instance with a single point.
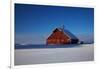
(62, 36)
(57, 30)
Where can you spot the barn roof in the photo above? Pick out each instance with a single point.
(72, 36)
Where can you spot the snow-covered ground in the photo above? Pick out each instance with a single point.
(54, 55)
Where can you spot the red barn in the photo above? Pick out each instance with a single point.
(62, 36)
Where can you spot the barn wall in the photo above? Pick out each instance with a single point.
(58, 37)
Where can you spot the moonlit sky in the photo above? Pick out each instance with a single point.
(34, 23)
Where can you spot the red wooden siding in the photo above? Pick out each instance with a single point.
(58, 37)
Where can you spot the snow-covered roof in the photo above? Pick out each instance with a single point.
(72, 36)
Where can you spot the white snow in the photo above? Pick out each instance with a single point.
(54, 55)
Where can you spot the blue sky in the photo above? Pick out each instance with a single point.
(34, 23)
